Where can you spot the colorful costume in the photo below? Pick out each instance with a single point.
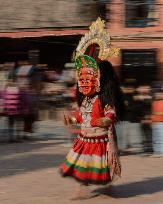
(87, 160)
(90, 159)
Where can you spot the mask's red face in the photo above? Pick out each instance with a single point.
(87, 81)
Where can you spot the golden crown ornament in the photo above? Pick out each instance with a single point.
(97, 35)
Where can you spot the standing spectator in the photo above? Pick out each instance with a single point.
(157, 123)
(12, 100)
(146, 99)
(129, 131)
(30, 109)
(124, 129)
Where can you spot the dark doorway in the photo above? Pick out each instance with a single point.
(54, 51)
(139, 66)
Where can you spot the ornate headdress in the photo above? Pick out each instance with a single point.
(97, 36)
(87, 55)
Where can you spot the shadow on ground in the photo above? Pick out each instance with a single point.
(7, 149)
(28, 163)
(147, 186)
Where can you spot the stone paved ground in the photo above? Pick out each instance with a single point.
(29, 173)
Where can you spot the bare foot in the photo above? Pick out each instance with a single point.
(82, 192)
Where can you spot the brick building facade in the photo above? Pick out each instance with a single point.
(142, 39)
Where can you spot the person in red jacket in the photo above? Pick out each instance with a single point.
(157, 123)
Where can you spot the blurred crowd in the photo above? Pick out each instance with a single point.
(142, 127)
(29, 89)
(19, 103)
(30, 93)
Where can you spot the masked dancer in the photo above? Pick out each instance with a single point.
(94, 157)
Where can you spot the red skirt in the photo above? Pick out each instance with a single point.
(87, 160)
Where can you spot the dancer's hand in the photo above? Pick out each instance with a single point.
(69, 120)
(113, 160)
(113, 151)
(66, 118)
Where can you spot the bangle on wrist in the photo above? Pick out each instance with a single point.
(72, 120)
(105, 122)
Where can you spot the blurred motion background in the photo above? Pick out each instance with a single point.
(37, 39)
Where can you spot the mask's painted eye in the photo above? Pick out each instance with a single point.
(81, 81)
(88, 81)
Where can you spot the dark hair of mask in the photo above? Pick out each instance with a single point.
(110, 92)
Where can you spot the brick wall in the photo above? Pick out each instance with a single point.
(28, 14)
(136, 38)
